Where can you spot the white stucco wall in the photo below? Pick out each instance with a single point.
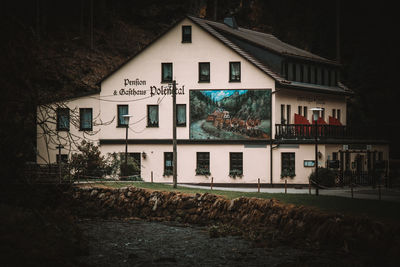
(255, 162)
(185, 58)
(302, 152)
(46, 144)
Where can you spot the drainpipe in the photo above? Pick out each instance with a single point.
(270, 140)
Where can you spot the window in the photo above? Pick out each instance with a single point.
(315, 114)
(327, 77)
(312, 74)
(234, 71)
(301, 73)
(168, 163)
(294, 72)
(332, 78)
(283, 114)
(305, 112)
(64, 158)
(85, 119)
(122, 110)
(300, 109)
(305, 74)
(166, 72)
(338, 114)
(186, 34)
(288, 165)
(336, 78)
(334, 156)
(203, 163)
(152, 115)
(323, 113)
(288, 111)
(181, 115)
(333, 113)
(204, 72)
(285, 70)
(290, 72)
(235, 163)
(63, 119)
(319, 75)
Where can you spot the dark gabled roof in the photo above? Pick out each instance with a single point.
(267, 41)
(56, 99)
(270, 43)
(204, 24)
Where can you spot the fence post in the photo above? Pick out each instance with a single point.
(212, 181)
(309, 186)
(351, 185)
(285, 186)
(258, 186)
(379, 188)
(151, 176)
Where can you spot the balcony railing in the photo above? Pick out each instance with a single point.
(304, 131)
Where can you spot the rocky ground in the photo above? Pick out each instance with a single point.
(53, 226)
(119, 242)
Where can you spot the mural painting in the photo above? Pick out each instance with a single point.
(230, 114)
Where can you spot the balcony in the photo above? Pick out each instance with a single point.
(305, 131)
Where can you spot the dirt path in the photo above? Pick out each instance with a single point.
(141, 243)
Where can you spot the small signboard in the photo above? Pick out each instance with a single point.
(309, 163)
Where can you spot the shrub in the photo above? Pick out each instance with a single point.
(201, 171)
(326, 177)
(288, 173)
(89, 162)
(132, 167)
(235, 173)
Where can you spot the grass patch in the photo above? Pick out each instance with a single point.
(385, 210)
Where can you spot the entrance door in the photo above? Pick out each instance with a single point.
(360, 163)
(361, 174)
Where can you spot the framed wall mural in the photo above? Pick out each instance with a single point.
(230, 114)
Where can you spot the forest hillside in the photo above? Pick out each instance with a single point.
(53, 49)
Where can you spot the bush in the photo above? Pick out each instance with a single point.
(326, 177)
(89, 162)
(201, 171)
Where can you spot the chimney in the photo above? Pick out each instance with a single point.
(231, 22)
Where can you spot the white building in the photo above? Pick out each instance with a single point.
(237, 88)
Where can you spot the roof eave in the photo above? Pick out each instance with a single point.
(289, 85)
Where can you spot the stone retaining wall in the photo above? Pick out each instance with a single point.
(265, 218)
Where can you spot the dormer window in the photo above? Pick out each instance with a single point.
(186, 34)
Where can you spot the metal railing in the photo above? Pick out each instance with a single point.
(305, 131)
